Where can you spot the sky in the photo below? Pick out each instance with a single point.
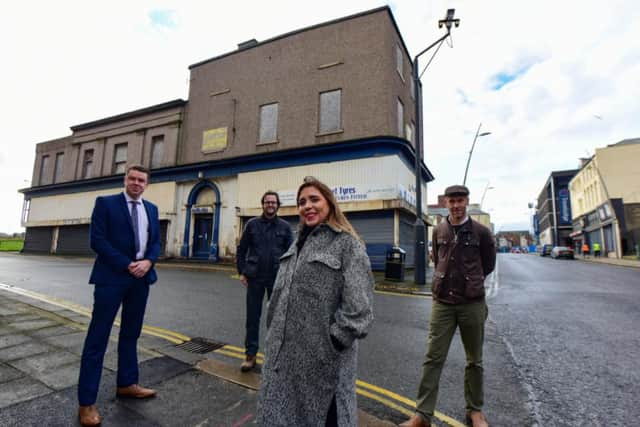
(550, 80)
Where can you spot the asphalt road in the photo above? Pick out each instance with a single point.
(560, 348)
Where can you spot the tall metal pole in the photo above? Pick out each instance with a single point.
(464, 181)
(420, 228)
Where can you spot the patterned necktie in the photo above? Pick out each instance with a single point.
(134, 222)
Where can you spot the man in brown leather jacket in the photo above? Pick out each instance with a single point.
(464, 254)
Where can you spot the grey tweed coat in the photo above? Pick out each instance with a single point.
(324, 291)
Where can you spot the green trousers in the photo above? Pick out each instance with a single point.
(445, 319)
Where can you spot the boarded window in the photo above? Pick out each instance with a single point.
(399, 61)
(120, 158)
(269, 123)
(400, 118)
(330, 111)
(408, 131)
(57, 173)
(157, 151)
(44, 170)
(87, 164)
(412, 87)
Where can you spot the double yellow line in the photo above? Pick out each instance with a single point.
(385, 397)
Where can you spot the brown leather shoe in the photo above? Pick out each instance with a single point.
(89, 416)
(135, 391)
(248, 364)
(416, 421)
(476, 419)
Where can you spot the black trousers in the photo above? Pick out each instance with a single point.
(255, 297)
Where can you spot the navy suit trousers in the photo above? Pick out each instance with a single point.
(106, 302)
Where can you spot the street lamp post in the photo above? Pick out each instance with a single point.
(464, 181)
(420, 228)
(484, 193)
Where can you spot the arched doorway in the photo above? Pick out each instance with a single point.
(206, 223)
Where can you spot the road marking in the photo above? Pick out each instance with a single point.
(383, 396)
(76, 308)
(400, 294)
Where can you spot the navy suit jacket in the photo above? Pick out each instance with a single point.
(112, 240)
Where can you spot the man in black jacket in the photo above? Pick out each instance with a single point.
(464, 254)
(264, 240)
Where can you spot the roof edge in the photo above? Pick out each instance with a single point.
(301, 30)
(130, 114)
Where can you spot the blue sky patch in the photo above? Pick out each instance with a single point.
(162, 18)
(505, 77)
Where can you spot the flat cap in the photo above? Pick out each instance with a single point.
(456, 190)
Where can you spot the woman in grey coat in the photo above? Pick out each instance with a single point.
(322, 302)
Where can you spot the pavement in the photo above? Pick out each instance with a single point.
(621, 262)
(40, 348)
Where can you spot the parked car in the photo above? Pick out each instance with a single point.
(562, 252)
(545, 250)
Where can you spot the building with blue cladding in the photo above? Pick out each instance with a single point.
(334, 101)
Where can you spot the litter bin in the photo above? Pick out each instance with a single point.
(394, 265)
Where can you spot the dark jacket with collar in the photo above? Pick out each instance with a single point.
(462, 261)
(113, 242)
(262, 244)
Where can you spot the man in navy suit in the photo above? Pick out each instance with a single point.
(125, 235)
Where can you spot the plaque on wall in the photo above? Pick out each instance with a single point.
(214, 140)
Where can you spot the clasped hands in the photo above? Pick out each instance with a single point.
(139, 268)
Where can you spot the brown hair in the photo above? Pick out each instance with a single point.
(336, 218)
(139, 168)
(270, 193)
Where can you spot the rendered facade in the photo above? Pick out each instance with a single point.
(605, 199)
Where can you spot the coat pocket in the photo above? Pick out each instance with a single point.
(474, 286)
(326, 259)
(251, 266)
(436, 283)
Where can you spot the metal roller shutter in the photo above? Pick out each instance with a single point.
(38, 239)
(376, 229)
(408, 237)
(74, 240)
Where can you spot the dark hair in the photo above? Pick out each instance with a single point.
(270, 193)
(336, 218)
(139, 168)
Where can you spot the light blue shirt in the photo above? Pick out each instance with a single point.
(143, 224)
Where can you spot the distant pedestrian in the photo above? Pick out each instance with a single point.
(596, 249)
(321, 305)
(125, 235)
(264, 240)
(464, 254)
(585, 250)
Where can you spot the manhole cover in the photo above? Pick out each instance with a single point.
(200, 345)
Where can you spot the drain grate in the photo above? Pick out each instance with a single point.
(199, 345)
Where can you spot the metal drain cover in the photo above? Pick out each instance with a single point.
(199, 345)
